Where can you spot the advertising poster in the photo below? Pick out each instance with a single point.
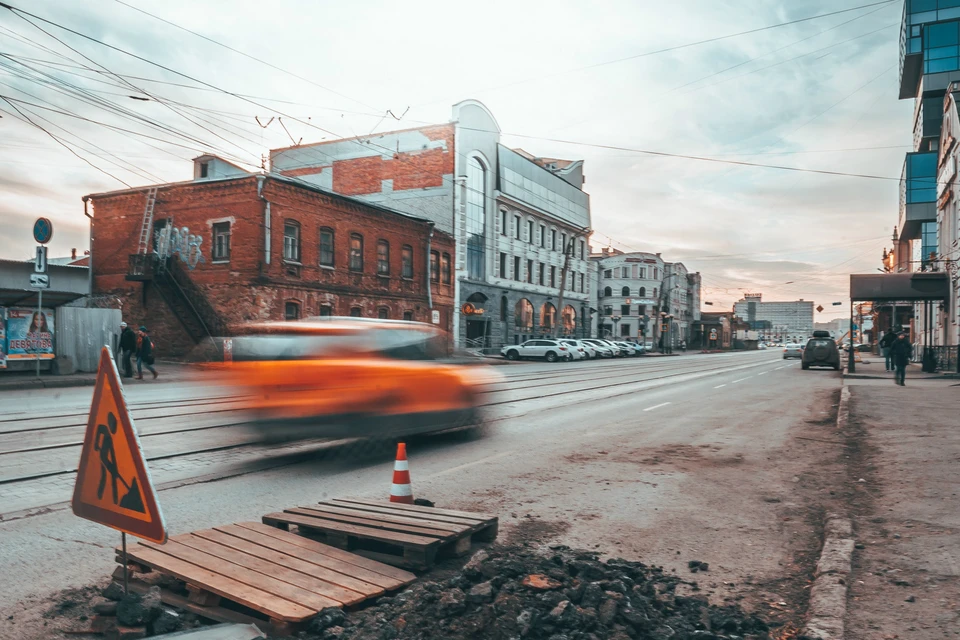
(29, 333)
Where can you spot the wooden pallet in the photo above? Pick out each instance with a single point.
(278, 576)
(399, 534)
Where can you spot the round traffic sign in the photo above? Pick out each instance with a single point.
(42, 230)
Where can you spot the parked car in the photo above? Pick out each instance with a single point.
(628, 348)
(793, 350)
(762, 346)
(549, 350)
(577, 350)
(821, 351)
(589, 349)
(603, 349)
(617, 351)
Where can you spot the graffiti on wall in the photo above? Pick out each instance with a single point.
(173, 242)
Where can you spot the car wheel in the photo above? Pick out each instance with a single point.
(513, 354)
(551, 356)
(804, 366)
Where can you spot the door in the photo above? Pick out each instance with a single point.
(476, 331)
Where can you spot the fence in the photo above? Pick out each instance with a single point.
(944, 358)
(81, 333)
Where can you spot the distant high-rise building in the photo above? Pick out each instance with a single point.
(791, 320)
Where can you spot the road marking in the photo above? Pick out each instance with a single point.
(719, 386)
(762, 373)
(736, 381)
(657, 406)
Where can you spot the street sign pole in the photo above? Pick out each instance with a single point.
(40, 315)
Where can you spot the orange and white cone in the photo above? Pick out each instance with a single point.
(400, 490)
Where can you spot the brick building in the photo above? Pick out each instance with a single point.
(231, 247)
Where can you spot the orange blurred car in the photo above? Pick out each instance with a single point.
(351, 377)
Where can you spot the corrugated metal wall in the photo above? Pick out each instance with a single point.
(81, 332)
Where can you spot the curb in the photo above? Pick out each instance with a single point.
(52, 383)
(827, 610)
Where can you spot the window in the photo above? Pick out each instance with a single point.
(656, 274)
(204, 169)
(642, 310)
(553, 239)
(625, 292)
(569, 319)
(523, 314)
(624, 310)
(503, 265)
(548, 316)
(406, 262)
(383, 313)
(921, 177)
(625, 272)
(540, 280)
(326, 310)
(543, 235)
(503, 308)
(654, 292)
(503, 221)
(291, 311)
(516, 268)
(434, 266)
(408, 316)
(563, 242)
(608, 273)
(530, 271)
(291, 241)
(476, 219)
(624, 331)
(643, 272)
(530, 231)
(580, 286)
(607, 292)
(326, 247)
(516, 227)
(553, 276)
(608, 310)
(355, 312)
(445, 268)
(221, 241)
(583, 246)
(356, 252)
(643, 292)
(383, 258)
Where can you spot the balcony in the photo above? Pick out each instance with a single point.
(918, 193)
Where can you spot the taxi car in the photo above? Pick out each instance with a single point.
(350, 377)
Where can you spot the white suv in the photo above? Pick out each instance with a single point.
(549, 350)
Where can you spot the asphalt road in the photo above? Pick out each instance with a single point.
(661, 459)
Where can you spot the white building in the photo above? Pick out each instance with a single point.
(786, 320)
(947, 330)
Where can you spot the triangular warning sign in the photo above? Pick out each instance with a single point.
(113, 482)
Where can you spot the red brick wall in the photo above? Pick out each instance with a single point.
(246, 288)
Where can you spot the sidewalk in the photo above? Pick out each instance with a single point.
(906, 577)
(22, 380)
(872, 367)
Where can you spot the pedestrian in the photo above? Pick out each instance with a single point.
(885, 343)
(128, 344)
(144, 353)
(902, 351)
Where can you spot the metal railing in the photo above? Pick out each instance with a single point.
(944, 358)
(141, 266)
(171, 272)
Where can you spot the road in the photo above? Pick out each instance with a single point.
(662, 459)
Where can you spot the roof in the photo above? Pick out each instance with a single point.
(216, 157)
(267, 176)
(561, 164)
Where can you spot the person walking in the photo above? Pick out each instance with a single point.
(902, 351)
(128, 344)
(885, 343)
(145, 353)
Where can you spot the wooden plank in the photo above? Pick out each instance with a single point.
(301, 554)
(371, 522)
(403, 577)
(296, 595)
(318, 572)
(307, 581)
(386, 515)
(182, 602)
(417, 509)
(320, 524)
(227, 587)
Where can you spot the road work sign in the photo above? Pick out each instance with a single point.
(113, 484)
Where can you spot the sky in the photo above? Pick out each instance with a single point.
(564, 79)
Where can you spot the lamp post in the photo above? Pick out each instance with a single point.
(616, 323)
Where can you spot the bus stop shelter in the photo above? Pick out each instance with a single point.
(926, 289)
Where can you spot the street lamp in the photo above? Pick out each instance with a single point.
(616, 322)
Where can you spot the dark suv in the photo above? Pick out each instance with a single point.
(821, 351)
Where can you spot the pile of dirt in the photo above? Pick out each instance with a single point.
(555, 594)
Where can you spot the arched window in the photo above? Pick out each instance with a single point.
(476, 199)
(355, 312)
(607, 292)
(383, 258)
(569, 319)
(503, 308)
(356, 252)
(625, 292)
(291, 310)
(643, 292)
(383, 313)
(523, 314)
(548, 316)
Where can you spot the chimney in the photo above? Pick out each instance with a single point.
(73, 253)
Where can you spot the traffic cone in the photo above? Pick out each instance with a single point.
(400, 490)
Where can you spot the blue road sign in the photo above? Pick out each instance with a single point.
(42, 230)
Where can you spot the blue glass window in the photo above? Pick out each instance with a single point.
(941, 35)
(476, 218)
(921, 177)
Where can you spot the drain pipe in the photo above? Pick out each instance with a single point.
(266, 219)
(429, 279)
(86, 212)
